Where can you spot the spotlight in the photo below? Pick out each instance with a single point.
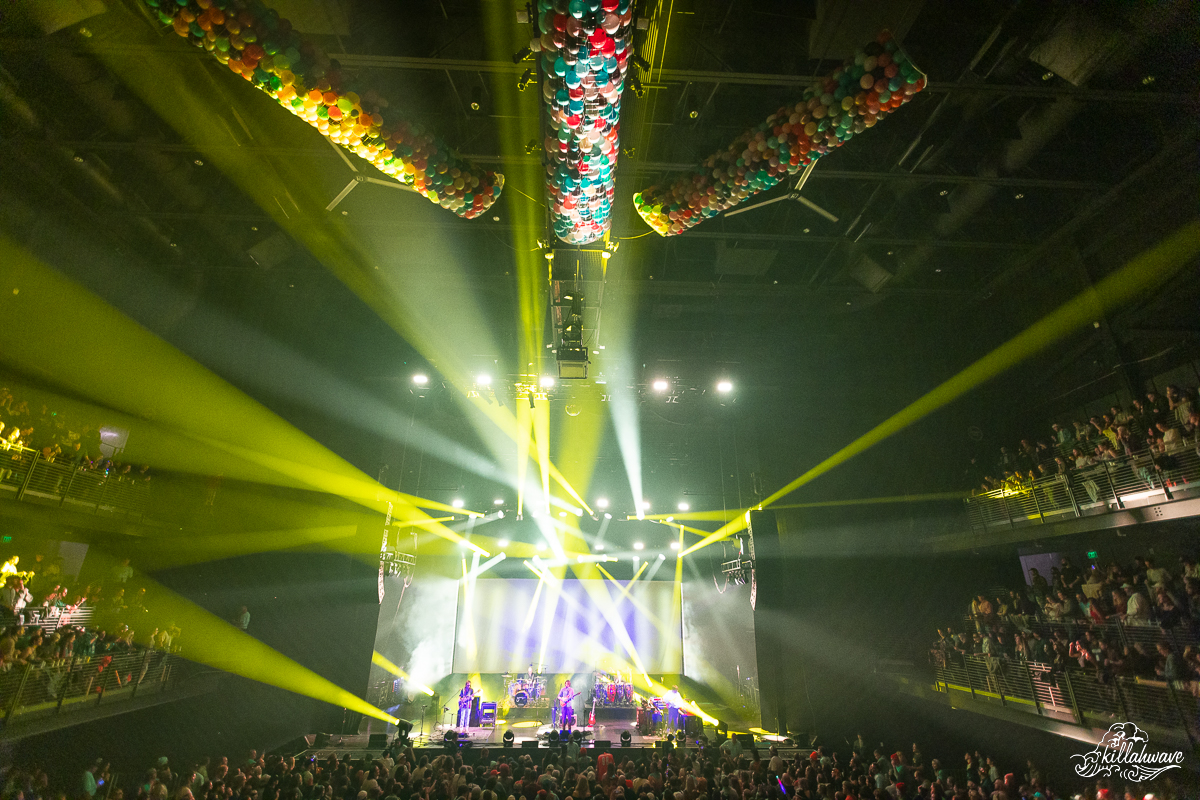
(562, 513)
(670, 519)
(607, 515)
(675, 545)
(724, 387)
(499, 501)
(602, 502)
(639, 546)
(599, 548)
(579, 512)
(645, 505)
(522, 54)
(635, 83)
(606, 255)
(641, 63)
(626, 739)
(541, 546)
(476, 104)
(484, 380)
(500, 514)
(546, 382)
(526, 80)
(553, 737)
(420, 379)
(549, 255)
(457, 502)
(403, 729)
(684, 507)
(660, 385)
(509, 738)
(502, 542)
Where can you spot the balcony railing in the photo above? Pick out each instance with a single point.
(1136, 480)
(24, 473)
(1072, 695)
(51, 688)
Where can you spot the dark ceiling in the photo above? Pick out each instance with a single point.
(1054, 142)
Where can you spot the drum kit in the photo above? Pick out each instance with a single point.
(525, 691)
(613, 690)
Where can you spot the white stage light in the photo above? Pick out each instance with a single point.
(660, 385)
(602, 502)
(724, 387)
(546, 382)
(420, 379)
(457, 503)
(638, 546)
(684, 507)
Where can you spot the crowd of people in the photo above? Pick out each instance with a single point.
(27, 425)
(1156, 430)
(48, 624)
(1071, 607)
(712, 772)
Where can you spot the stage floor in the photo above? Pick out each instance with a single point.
(523, 730)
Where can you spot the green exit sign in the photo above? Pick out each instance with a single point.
(6, 539)
(1092, 554)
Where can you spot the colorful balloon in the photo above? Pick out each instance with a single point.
(584, 59)
(258, 44)
(878, 79)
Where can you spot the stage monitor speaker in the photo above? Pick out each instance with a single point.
(747, 739)
(693, 726)
(602, 744)
(465, 743)
(529, 744)
(377, 741)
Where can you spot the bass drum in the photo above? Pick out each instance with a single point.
(520, 699)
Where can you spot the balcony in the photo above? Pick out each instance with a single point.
(1142, 480)
(36, 480)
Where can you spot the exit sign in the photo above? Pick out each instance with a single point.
(1092, 554)
(6, 539)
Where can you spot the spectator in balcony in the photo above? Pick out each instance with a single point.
(1179, 402)
(1137, 607)
(1156, 576)
(242, 620)
(1119, 416)
(13, 597)
(1128, 441)
(1171, 437)
(1170, 667)
(1156, 405)
(1142, 417)
(1063, 437)
(1069, 576)
(1038, 584)
(122, 572)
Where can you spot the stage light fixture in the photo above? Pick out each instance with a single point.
(457, 502)
(660, 385)
(641, 63)
(484, 380)
(606, 255)
(502, 542)
(635, 83)
(546, 382)
(602, 502)
(683, 506)
(599, 548)
(645, 505)
(509, 738)
(526, 80)
(562, 513)
(522, 54)
(607, 515)
(675, 545)
(724, 387)
(420, 379)
(499, 501)
(639, 546)
(500, 514)
(541, 546)
(670, 519)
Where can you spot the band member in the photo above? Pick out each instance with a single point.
(567, 714)
(465, 698)
(674, 703)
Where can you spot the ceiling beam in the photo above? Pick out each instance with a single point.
(664, 77)
(626, 165)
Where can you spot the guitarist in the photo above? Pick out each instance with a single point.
(565, 698)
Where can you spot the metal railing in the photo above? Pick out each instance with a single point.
(1138, 480)
(54, 687)
(1125, 634)
(34, 479)
(1072, 695)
